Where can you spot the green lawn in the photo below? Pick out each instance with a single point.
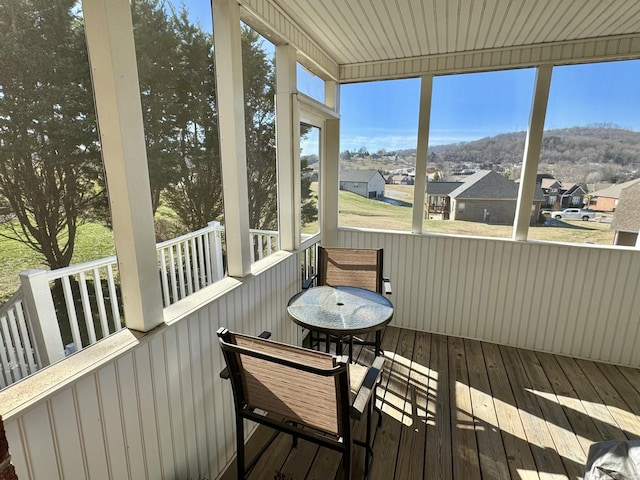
(94, 241)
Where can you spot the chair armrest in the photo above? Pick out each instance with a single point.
(308, 282)
(366, 389)
(224, 374)
(386, 282)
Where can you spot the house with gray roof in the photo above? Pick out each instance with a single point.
(487, 196)
(626, 221)
(606, 200)
(368, 183)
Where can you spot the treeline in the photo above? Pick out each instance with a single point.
(577, 145)
(51, 173)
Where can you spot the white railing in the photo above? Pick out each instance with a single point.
(89, 305)
(190, 262)
(17, 356)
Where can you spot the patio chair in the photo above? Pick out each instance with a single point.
(308, 394)
(351, 267)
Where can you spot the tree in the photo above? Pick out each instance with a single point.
(196, 196)
(259, 93)
(49, 150)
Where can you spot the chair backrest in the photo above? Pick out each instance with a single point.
(352, 267)
(308, 387)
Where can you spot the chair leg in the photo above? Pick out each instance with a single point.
(240, 447)
(367, 441)
(346, 461)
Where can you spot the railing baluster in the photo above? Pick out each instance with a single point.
(24, 333)
(179, 248)
(115, 308)
(12, 363)
(86, 307)
(194, 265)
(102, 312)
(207, 258)
(17, 345)
(5, 378)
(71, 311)
(187, 267)
(203, 277)
(173, 278)
(164, 279)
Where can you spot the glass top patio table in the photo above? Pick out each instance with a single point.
(341, 311)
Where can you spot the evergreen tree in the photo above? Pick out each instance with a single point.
(49, 151)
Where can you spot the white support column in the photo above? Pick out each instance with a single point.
(330, 183)
(420, 185)
(109, 34)
(233, 149)
(288, 146)
(532, 148)
(332, 95)
(42, 318)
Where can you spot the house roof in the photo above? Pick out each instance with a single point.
(627, 215)
(549, 182)
(442, 188)
(353, 41)
(358, 175)
(488, 184)
(614, 190)
(574, 189)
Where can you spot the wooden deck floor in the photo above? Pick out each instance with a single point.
(463, 409)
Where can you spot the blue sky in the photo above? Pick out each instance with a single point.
(384, 115)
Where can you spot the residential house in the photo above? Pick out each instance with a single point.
(400, 179)
(606, 200)
(438, 202)
(147, 402)
(367, 183)
(486, 196)
(573, 195)
(626, 220)
(558, 195)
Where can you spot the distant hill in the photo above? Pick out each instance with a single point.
(583, 145)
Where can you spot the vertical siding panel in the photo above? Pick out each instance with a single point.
(507, 288)
(188, 420)
(618, 299)
(485, 284)
(199, 347)
(38, 437)
(67, 433)
(91, 425)
(566, 270)
(160, 376)
(470, 317)
(108, 388)
(174, 389)
(148, 411)
(532, 299)
(422, 267)
(597, 334)
(130, 416)
(548, 302)
(452, 319)
(19, 457)
(628, 336)
(429, 289)
(583, 319)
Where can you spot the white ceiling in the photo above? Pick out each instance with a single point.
(360, 31)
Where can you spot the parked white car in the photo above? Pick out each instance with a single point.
(575, 214)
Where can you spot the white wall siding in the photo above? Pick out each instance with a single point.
(159, 410)
(572, 300)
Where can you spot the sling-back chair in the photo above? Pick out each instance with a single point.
(308, 394)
